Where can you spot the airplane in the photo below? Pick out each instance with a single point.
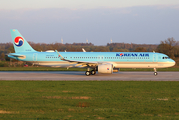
(103, 62)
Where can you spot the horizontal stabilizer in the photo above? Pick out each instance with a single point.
(15, 55)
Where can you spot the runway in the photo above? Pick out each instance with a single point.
(80, 76)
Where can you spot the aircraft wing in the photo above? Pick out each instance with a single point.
(82, 63)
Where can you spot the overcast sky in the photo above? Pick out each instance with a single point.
(78, 4)
(129, 21)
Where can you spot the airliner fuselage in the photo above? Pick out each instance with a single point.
(103, 62)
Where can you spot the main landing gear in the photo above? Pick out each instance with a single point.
(88, 72)
(93, 72)
(155, 72)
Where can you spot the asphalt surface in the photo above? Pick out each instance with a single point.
(80, 76)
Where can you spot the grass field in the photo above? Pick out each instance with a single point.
(89, 100)
(76, 69)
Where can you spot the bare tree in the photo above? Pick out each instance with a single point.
(168, 47)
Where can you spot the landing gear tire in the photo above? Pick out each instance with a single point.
(93, 72)
(87, 73)
(155, 73)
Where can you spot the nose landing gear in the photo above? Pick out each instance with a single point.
(155, 72)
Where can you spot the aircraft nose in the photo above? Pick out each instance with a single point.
(173, 62)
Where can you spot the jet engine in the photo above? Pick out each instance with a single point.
(105, 68)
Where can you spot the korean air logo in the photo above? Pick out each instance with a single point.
(122, 54)
(132, 55)
(18, 41)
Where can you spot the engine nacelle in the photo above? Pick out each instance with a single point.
(105, 68)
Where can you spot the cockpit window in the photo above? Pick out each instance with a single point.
(166, 58)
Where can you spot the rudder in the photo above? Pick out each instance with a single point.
(19, 42)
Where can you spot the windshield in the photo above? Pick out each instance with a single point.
(166, 58)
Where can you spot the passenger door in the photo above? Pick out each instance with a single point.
(35, 57)
(155, 58)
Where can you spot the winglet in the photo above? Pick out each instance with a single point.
(83, 50)
(59, 55)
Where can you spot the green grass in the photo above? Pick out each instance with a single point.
(76, 69)
(89, 100)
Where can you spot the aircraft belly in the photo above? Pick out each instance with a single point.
(115, 64)
(52, 64)
(143, 65)
(56, 64)
(135, 65)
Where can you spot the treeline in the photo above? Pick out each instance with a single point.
(110, 47)
(169, 47)
(125, 47)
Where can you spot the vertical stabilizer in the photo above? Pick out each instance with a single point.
(19, 42)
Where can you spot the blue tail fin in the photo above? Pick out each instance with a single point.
(19, 42)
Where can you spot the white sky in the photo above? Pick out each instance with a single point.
(80, 4)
